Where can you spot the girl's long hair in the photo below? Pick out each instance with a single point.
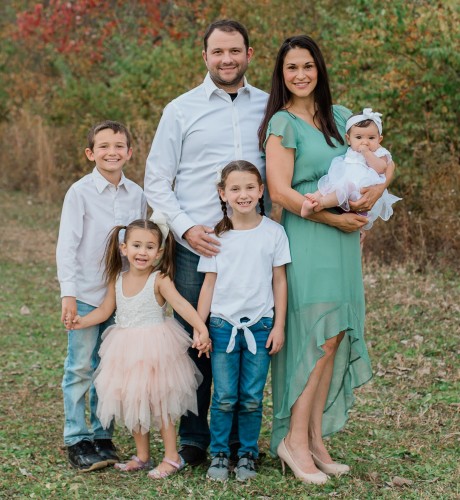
(113, 258)
(280, 95)
(235, 166)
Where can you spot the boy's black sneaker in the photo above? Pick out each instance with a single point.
(106, 450)
(84, 457)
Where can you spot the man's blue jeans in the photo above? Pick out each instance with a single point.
(193, 429)
(79, 367)
(239, 380)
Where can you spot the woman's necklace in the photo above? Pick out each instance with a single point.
(304, 114)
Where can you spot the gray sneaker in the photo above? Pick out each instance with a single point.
(245, 469)
(218, 471)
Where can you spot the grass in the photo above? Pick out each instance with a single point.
(405, 423)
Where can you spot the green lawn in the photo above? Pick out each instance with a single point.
(405, 423)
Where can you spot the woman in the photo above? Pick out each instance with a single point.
(325, 355)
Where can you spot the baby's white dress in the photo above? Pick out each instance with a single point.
(348, 174)
(145, 376)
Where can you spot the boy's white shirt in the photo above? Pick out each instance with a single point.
(92, 207)
(244, 268)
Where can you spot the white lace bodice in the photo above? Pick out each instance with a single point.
(141, 309)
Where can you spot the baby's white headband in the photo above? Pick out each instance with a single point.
(160, 220)
(367, 114)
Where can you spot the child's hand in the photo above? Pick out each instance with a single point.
(363, 149)
(275, 340)
(69, 310)
(74, 324)
(202, 342)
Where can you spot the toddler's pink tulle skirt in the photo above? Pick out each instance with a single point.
(145, 377)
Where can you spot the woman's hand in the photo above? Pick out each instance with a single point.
(369, 197)
(350, 222)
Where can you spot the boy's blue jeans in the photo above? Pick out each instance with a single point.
(239, 380)
(79, 367)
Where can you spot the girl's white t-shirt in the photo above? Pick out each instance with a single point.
(244, 268)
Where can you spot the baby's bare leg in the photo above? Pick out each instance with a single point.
(327, 201)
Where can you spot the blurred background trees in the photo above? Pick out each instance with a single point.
(65, 65)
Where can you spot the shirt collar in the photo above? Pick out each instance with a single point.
(101, 182)
(210, 87)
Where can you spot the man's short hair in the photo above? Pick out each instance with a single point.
(227, 25)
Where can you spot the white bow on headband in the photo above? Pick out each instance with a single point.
(367, 114)
(160, 220)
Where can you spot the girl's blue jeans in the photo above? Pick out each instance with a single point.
(239, 381)
(79, 367)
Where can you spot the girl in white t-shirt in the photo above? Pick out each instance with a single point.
(244, 290)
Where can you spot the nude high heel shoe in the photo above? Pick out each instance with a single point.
(285, 457)
(334, 469)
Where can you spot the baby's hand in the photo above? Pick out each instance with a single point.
(363, 149)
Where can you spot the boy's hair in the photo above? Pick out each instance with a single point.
(235, 166)
(117, 127)
(114, 262)
(228, 26)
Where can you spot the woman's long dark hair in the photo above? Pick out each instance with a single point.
(235, 166)
(280, 95)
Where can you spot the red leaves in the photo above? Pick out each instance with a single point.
(84, 26)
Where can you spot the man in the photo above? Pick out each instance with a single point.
(199, 133)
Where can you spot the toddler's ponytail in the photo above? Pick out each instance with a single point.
(166, 265)
(168, 244)
(112, 256)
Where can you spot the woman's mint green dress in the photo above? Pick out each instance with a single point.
(325, 288)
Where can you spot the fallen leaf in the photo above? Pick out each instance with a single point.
(24, 310)
(24, 472)
(401, 481)
(373, 476)
(424, 370)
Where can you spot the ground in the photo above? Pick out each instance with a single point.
(402, 438)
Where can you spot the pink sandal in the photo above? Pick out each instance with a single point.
(157, 474)
(132, 468)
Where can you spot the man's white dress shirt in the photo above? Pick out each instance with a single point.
(92, 207)
(199, 133)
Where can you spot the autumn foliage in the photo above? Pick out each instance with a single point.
(66, 64)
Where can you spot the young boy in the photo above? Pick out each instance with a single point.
(92, 207)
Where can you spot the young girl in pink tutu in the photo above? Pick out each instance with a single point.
(145, 378)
